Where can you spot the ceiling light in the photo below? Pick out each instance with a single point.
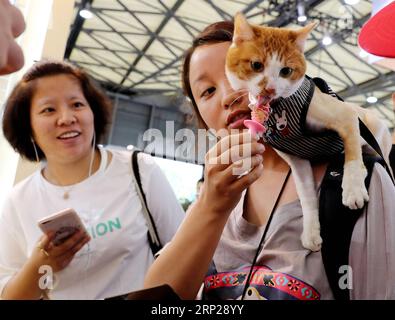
(86, 14)
(371, 99)
(302, 18)
(326, 41)
(351, 2)
(301, 12)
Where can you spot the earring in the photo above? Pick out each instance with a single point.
(35, 149)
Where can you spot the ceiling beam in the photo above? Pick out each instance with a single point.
(76, 29)
(166, 19)
(223, 14)
(336, 37)
(154, 74)
(286, 16)
(132, 92)
(351, 81)
(377, 83)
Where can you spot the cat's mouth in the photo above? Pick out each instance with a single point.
(261, 100)
(264, 100)
(236, 119)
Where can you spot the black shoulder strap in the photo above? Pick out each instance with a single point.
(369, 138)
(324, 87)
(153, 236)
(392, 158)
(337, 221)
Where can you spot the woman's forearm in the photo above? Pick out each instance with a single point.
(185, 261)
(25, 284)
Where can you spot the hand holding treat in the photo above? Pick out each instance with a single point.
(259, 115)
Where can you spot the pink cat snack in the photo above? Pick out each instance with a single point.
(259, 115)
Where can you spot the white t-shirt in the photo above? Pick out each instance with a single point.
(116, 259)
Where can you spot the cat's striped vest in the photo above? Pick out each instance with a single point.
(286, 125)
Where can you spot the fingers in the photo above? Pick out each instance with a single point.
(229, 161)
(239, 152)
(64, 260)
(245, 181)
(58, 257)
(66, 246)
(234, 155)
(242, 167)
(11, 26)
(43, 246)
(17, 22)
(77, 247)
(243, 170)
(15, 59)
(228, 141)
(45, 240)
(233, 148)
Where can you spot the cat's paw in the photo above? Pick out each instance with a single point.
(353, 185)
(311, 238)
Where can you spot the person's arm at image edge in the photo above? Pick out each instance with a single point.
(12, 25)
(372, 249)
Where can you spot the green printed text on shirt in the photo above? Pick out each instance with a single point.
(103, 228)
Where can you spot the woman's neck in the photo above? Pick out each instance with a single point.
(64, 174)
(272, 161)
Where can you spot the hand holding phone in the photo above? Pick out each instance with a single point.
(63, 223)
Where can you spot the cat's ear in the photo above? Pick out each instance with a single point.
(243, 31)
(302, 35)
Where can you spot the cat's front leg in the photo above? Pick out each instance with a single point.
(353, 185)
(354, 190)
(305, 187)
(343, 118)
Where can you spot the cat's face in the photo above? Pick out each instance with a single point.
(267, 61)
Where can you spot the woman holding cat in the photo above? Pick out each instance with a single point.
(219, 241)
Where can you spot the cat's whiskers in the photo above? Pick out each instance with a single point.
(238, 97)
(237, 91)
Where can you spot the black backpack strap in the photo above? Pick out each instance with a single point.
(369, 138)
(324, 87)
(338, 221)
(153, 236)
(392, 158)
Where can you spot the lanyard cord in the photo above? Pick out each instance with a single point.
(258, 251)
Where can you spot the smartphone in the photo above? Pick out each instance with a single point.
(64, 223)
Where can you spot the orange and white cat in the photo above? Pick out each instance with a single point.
(269, 63)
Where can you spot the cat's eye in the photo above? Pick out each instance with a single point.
(286, 72)
(257, 66)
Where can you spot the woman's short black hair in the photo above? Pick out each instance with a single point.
(16, 118)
